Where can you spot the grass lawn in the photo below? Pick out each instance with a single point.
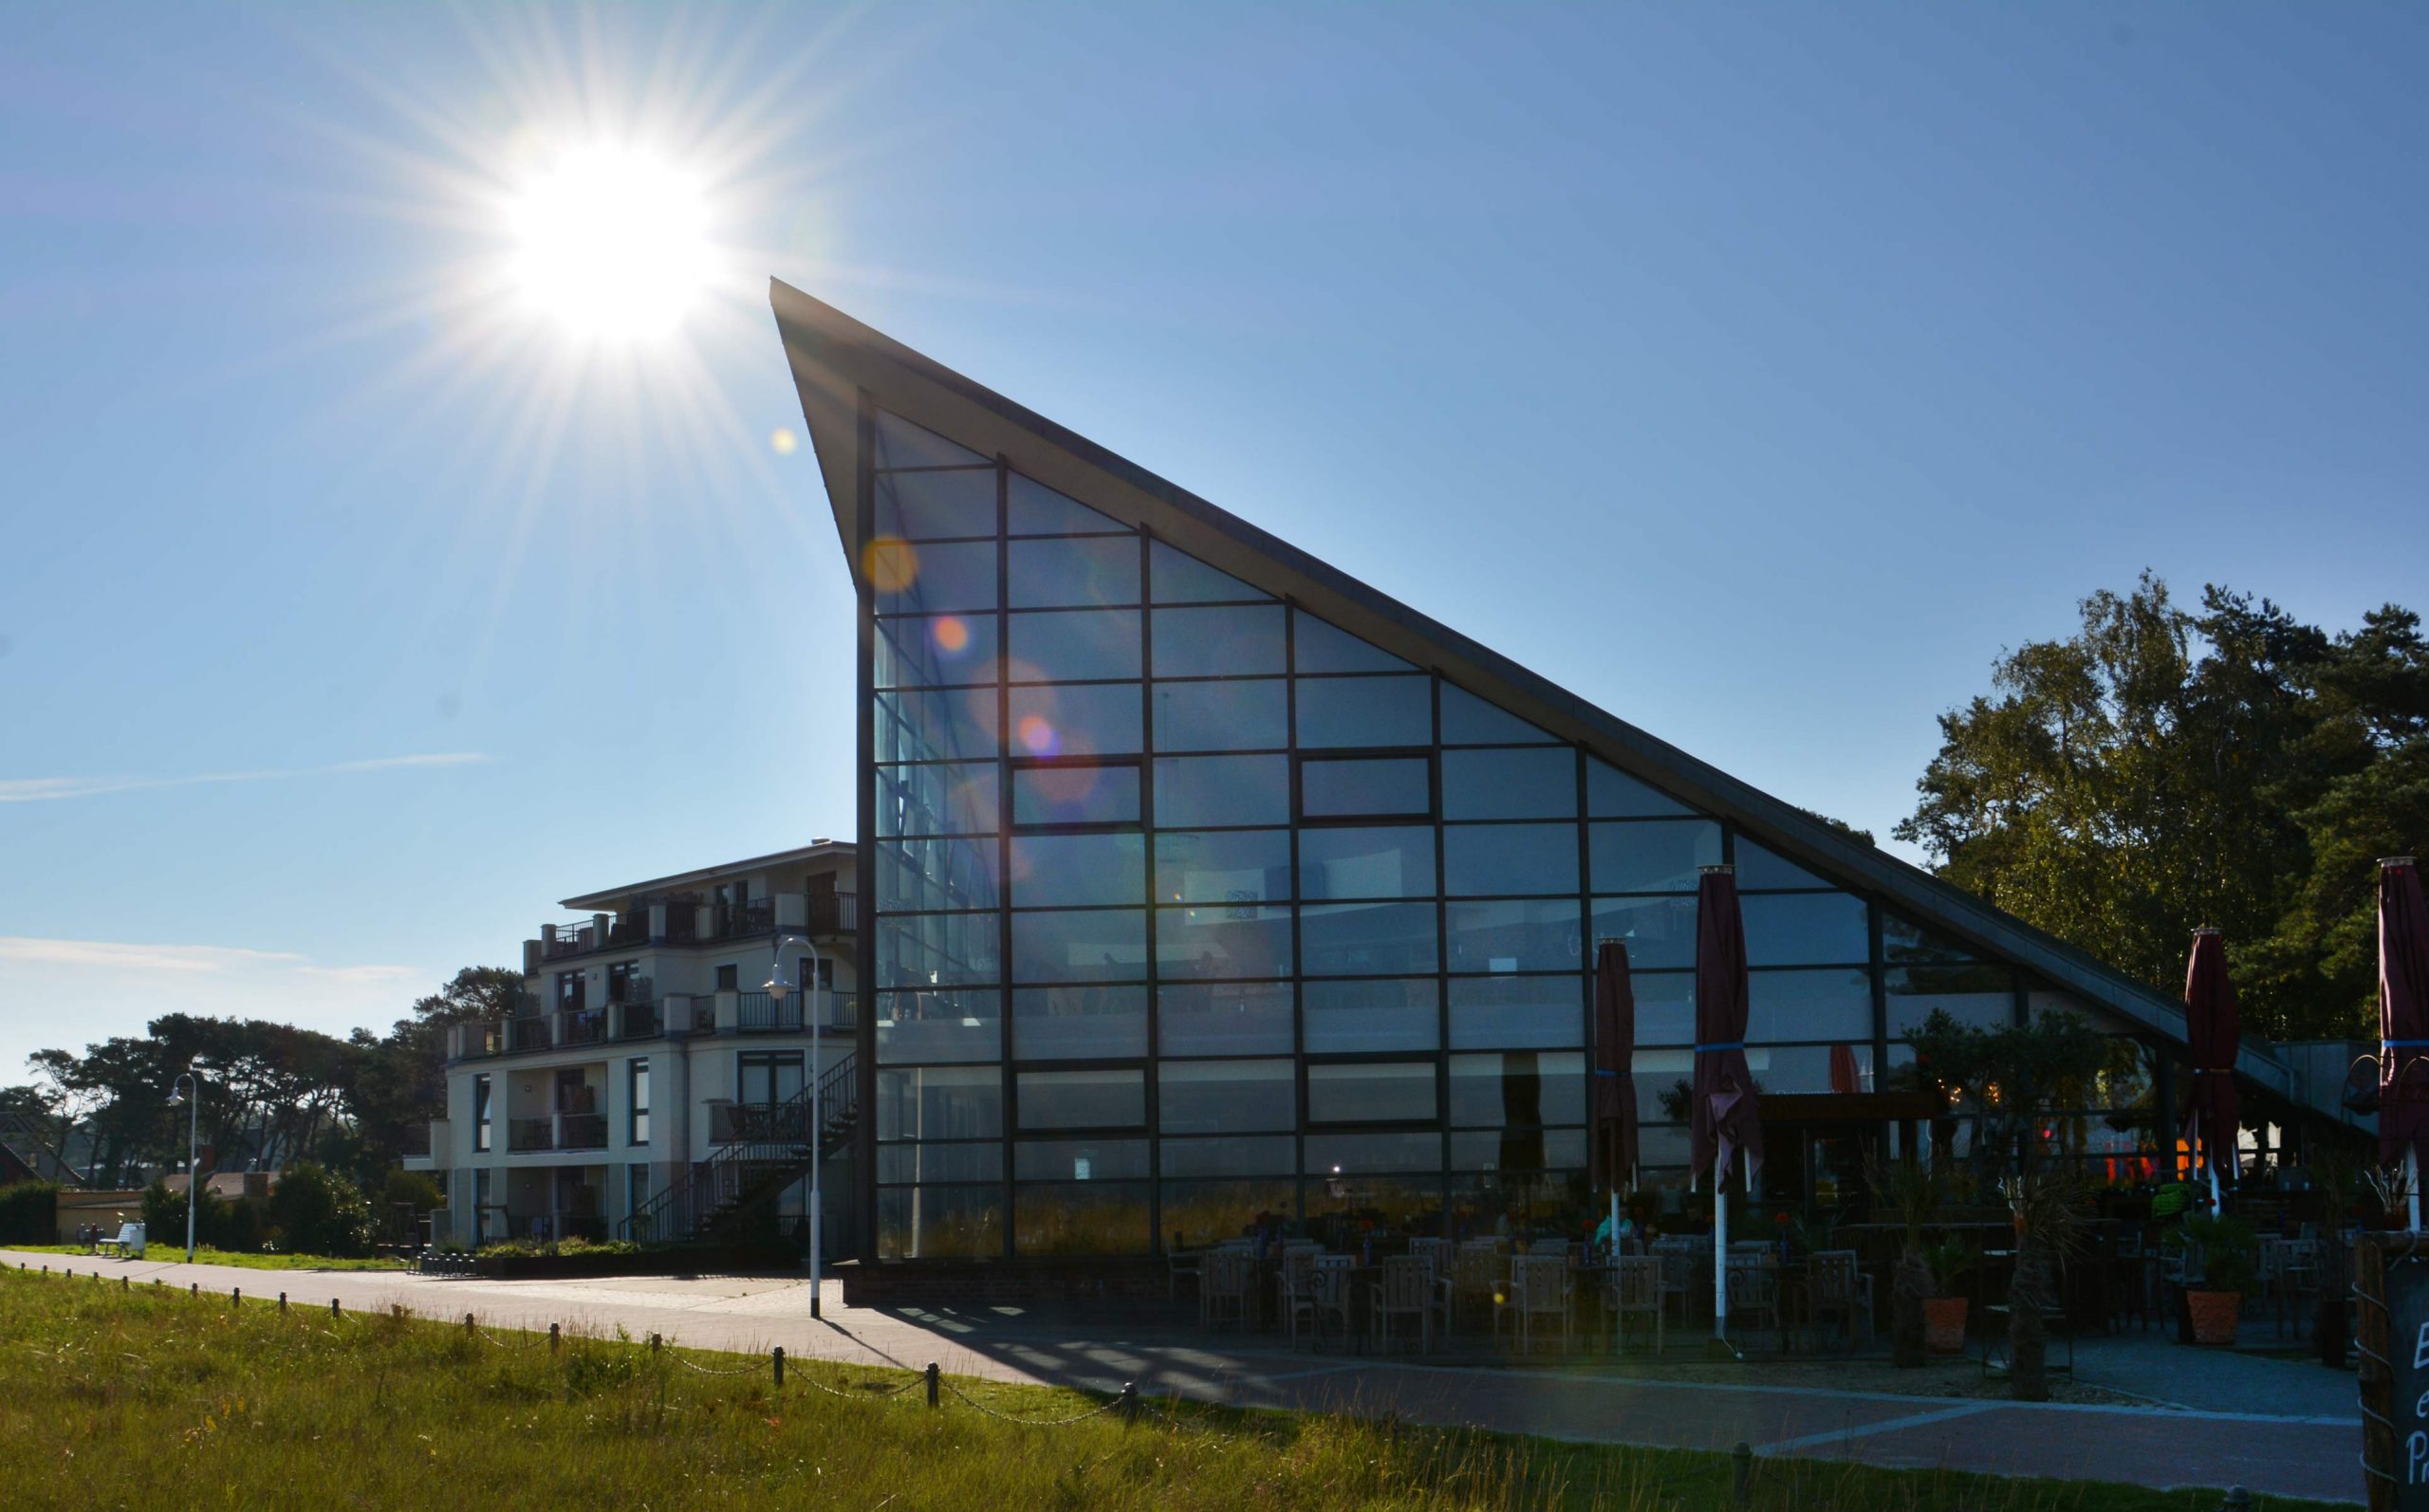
(113, 1398)
(205, 1255)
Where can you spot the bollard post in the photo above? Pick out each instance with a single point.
(195, 1289)
(1742, 1459)
(468, 1323)
(552, 1338)
(778, 1355)
(931, 1384)
(282, 1302)
(2239, 1500)
(235, 1297)
(155, 1283)
(1129, 1409)
(333, 1307)
(652, 1346)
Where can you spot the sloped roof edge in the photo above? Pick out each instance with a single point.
(834, 358)
(708, 874)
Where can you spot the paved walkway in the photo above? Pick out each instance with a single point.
(2304, 1446)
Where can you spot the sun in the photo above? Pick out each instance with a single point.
(612, 242)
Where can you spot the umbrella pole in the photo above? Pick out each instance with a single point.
(1720, 1253)
(2412, 1185)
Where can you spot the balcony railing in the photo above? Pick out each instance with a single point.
(528, 1033)
(834, 913)
(530, 1133)
(761, 1013)
(581, 1026)
(641, 1021)
(417, 1140)
(582, 1131)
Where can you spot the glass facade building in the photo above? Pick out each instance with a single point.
(1190, 905)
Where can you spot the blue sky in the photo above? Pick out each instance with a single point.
(1758, 372)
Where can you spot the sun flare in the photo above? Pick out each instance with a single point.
(612, 242)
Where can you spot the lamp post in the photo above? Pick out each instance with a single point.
(779, 985)
(192, 1078)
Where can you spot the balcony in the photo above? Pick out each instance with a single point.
(640, 1020)
(526, 1135)
(582, 1131)
(531, 1033)
(761, 1013)
(581, 1026)
(833, 914)
(417, 1140)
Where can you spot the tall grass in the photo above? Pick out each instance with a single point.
(113, 1398)
(249, 1259)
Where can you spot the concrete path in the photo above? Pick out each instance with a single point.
(2308, 1450)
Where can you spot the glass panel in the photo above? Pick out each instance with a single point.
(901, 443)
(1468, 720)
(1083, 1099)
(1180, 578)
(912, 1027)
(1380, 786)
(930, 579)
(1655, 858)
(936, 950)
(1366, 711)
(1082, 1218)
(1092, 944)
(1222, 717)
(930, 1160)
(1396, 1013)
(1368, 939)
(1489, 1013)
(1365, 1152)
(1510, 784)
(1759, 868)
(1223, 940)
(932, 875)
(948, 798)
(1392, 860)
(940, 1102)
(1199, 1213)
(1226, 1096)
(1804, 929)
(1233, 643)
(1079, 1159)
(1524, 1150)
(1613, 794)
(1370, 1091)
(1497, 937)
(1073, 645)
(1905, 943)
(941, 1223)
(1092, 719)
(1657, 932)
(1031, 509)
(1247, 1155)
(934, 726)
(1319, 647)
(1487, 858)
(1665, 1006)
(1809, 1005)
(1226, 1018)
(930, 505)
(1245, 866)
(1813, 1067)
(1079, 1023)
(1072, 573)
(1074, 871)
(1075, 795)
(1980, 995)
(935, 650)
(1522, 1087)
(1223, 790)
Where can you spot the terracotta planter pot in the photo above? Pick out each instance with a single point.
(1944, 1324)
(2214, 1316)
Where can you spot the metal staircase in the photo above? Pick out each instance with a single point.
(762, 1148)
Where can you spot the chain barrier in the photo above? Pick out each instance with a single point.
(1035, 1422)
(739, 1370)
(858, 1396)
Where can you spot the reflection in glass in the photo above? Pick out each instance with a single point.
(1083, 1099)
(1368, 939)
(936, 950)
(1193, 790)
(1091, 1023)
(1079, 1159)
(1252, 715)
(1319, 647)
(1073, 645)
(930, 505)
(1665, 1006)
(1658, 931)
(1082, 1218)
(937, 725)
(1179, 577)
(1804, 928)
(940, 1223)
(1468, 720)
(951, 1025)
(1341, 712)
(1222, 940)
(1076, 793)
(1067, 870)
(901, 443)
(930, 578)
(1540, 783)
(1515, 936)
(1351, 1153)
(1809, 1005)
(1235, 641)
(938, 651)
(1391, 861)
(1370, 1091)
(1393, 1013)
(1244, 866)
(1983, 996)
(1560, 1150)
(1084, 945)
(1661, 856)
(1484, 859)
(940, 1102)
(1226, 1096)
(1241, 1155)
(930, 875)
(1522, 1087)
(1071, 573)
(935, 1160)
(1199, 1213)
(1905, 943)
(949, 798)
(1531, 1012)
(1224, 1018)
(1091, 719)
(1613, 794)
(1031, 509)
(1366, 788)
(1759, 867)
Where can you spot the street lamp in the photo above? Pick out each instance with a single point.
(779, 985)
(192, 1078)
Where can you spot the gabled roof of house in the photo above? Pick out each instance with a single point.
(28, 1147)
(835, 360)
(698, 877)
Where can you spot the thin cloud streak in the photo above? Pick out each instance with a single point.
(51, 789)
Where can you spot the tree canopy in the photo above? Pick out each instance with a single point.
(2165, 768)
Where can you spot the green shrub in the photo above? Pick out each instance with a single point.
(28, 1214)
(314, 1212)
(554, 1249)
(220, 1223)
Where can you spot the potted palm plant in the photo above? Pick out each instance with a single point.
(2230, 1263)
(1944, 1309)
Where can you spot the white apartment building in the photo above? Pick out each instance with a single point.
(652, 1088)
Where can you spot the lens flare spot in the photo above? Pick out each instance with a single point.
(785, 441)
(951, 635)
(1039, 736)
(892, 564)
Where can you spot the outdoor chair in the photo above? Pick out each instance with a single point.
(1329, 1292)
(1298, 1290)
(1753, 1290)
(1179, 1263)
(1224, 1282)
(1835, 1288)
(1406, 1289)
(1686, 1274)
(1634, 1287)
(1539, 1289)
(128, 1243)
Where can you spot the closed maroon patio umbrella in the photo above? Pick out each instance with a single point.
(1613, 1153)
(2403, 1022)
(1723, 1124)
(2213, 1031)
